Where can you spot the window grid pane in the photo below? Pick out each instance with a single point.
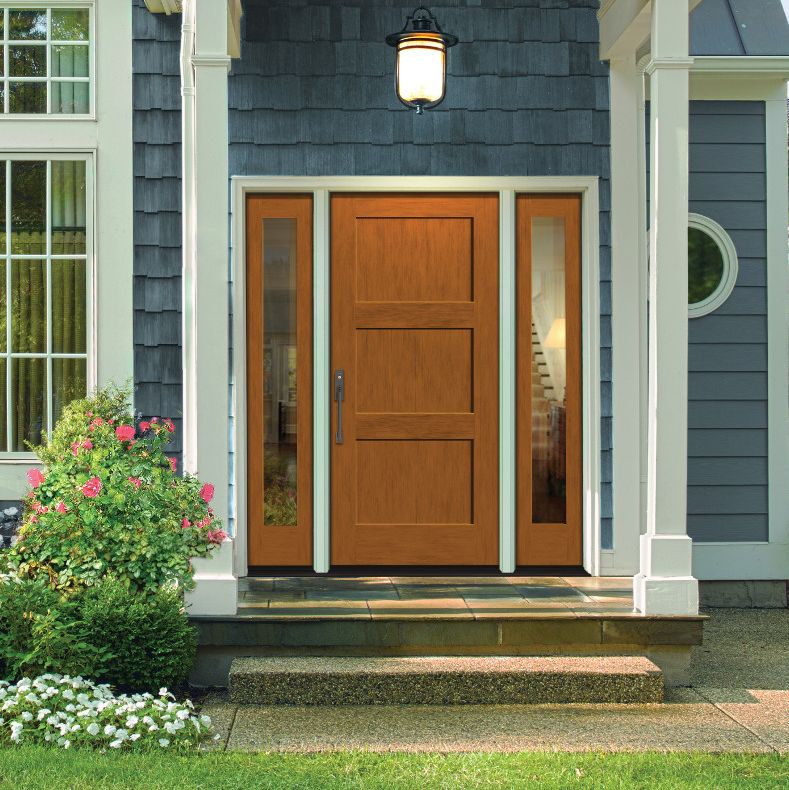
(44, 311)
(46, 63)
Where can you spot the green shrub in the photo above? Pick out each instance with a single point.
(107, 632)
(40, 632)
(108, 501)
(152, 640)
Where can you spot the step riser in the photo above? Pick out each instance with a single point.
(445, 689)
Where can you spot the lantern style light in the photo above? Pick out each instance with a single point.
(421, 72)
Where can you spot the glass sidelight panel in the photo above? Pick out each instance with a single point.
(548, 371)
(280, 409)
(279, 379)
(549, 380)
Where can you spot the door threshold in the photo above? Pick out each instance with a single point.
(352, 571)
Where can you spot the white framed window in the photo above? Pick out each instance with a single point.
(712, 265)
(47, 63)
(46, 293)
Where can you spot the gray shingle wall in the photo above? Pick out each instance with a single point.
(739, 27)
(527, 95)
(157, 216)
(727, 352)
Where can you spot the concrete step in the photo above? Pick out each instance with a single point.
(443, 680)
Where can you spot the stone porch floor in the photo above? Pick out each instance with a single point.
(447, 597)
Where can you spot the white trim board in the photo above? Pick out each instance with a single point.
(321, 188)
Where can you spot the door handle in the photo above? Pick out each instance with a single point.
(339, 396)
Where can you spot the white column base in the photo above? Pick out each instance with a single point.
(665, 595)
(216, 586)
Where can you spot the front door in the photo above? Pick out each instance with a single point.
(414, 317)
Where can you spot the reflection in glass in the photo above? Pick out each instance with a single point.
(28, 208)
(27, 24)
(69, 382)
(70, 24)
(68, 208)
(27, 61)
(548, 372)
(705, 266)
(29, 306)
(69, 308)
(27, 97)
(28, 401)
(279, 371)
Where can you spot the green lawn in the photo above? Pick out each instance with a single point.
(29, 767)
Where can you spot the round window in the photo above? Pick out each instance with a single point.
(712, 265)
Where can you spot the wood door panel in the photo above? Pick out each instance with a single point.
(414, 370)
(414, 327)
(441, 244)
(426, 482)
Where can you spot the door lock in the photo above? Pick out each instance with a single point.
(339, 396)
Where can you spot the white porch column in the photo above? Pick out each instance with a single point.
(665, 584)
(627, 228)
(205, 286)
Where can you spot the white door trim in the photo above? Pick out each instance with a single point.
(506, 187)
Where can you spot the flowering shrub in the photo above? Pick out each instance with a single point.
(68, 711)
(108, 501)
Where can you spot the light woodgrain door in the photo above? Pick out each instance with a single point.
(415, 333)
(549, 380)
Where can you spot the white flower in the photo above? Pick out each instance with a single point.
(93, 728)
(115, 744)
(205, 720)
(183, 714)
(27, 715)
(110, 729)
(43, 713)
(135, 736)
(153, 728)
(164, 743)
(131, 721)
(68, 694)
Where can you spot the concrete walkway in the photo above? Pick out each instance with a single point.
(739, 702)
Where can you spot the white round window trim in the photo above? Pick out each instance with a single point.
(730, 265)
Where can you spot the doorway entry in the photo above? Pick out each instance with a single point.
(413, 410)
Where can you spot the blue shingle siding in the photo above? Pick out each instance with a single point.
(727, 351)
(526, 95)
(157, 216)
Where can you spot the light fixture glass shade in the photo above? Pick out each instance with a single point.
(421, 71)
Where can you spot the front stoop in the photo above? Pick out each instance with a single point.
(443, 680)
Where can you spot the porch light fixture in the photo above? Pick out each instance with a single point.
(421, 70)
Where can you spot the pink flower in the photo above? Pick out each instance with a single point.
(33, 519)
(136, 482)
(61, 507)
(170, 425)
(185, 524)
(173, 464)
(88, 413)
(87, 444)
(39, 508)
(98, 421)
(35, 478)
(92, 488)
(145, 426)
(75, 448)
(205, 522)
(207, 493)
(155, 419)
(125, 433)
(216, 536)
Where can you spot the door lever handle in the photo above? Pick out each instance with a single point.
(339, 396)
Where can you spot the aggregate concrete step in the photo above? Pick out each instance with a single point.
(443, 680)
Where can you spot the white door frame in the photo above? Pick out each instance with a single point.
(321, 189)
